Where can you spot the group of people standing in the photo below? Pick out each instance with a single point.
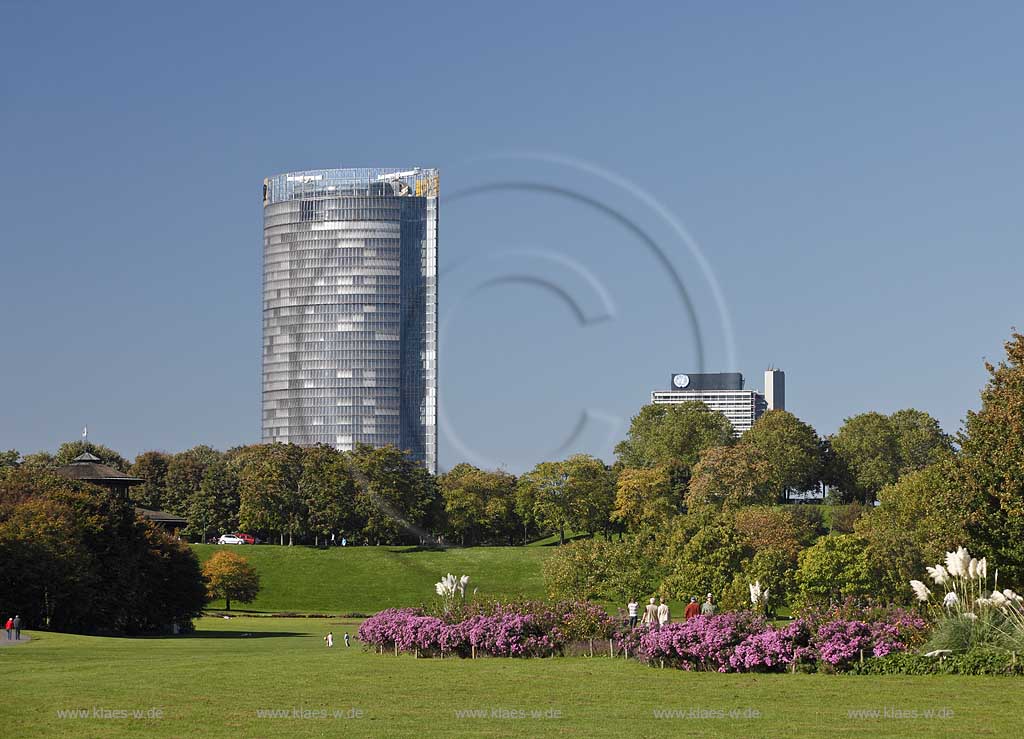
(13, 625)
(658, 614)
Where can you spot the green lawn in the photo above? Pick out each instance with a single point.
(366, 579)
(213, 684)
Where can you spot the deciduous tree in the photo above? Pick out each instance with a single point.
(990, 467)
(152, 468)
(791, 447)
(231, 577)
(731, 476)
(673, 433)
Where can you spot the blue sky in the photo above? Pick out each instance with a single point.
(850, 176)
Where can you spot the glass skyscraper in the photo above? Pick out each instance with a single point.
(350, 309)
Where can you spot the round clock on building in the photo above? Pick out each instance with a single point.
(680, 381)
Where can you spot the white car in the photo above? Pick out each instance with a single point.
(230, 539)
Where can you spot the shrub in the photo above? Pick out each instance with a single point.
(525, 629)
(595, 569)
(834, 568)
(971, 663)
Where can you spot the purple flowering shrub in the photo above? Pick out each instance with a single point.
(742, 642)
(527, 629)
(728, 642)
(700, 643)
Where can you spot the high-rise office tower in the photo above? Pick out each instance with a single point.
(775, 389)
(350, 309)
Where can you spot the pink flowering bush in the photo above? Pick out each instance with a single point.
(728, 642)
(527, 629)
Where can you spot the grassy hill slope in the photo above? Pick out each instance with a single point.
(367, 579)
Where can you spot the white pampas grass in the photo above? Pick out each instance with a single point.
(449, 586)
(938, 574)
(951, 599)
(920, 590)
(957, 562)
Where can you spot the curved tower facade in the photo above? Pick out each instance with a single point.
(350, 309)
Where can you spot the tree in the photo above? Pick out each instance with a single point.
(867, 449)
(575, 493)
(329, 491)
(791, 447)
(597, 569)
(591, 486)
(9, 458)
(775, 528)
(215, 505)
(872, 450)
(989, 469)
(667, 433)
(834, 568)
(920, 441)
(185, 472)
(774, 571)
(71, 449)
(477, 503)
(394, 492)
(645, 500)
(38, 461)
(77, 558)
(268, 487)
(231, 577)
(731, 476)
(151, 467)
(702, 555)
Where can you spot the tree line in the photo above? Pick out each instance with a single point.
(675, 458)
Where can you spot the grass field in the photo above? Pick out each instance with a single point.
(344, 580)
(215, 683)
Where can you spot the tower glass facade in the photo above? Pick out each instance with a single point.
(350, 309)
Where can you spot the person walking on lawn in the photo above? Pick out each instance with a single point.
(692, 609)
(17, 626)
(9, 625)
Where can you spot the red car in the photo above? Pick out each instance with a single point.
(247, 538)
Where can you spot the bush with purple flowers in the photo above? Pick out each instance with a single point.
(527, 629)
(728, 642)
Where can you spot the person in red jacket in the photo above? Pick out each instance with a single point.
(692, 609)
(9, 625)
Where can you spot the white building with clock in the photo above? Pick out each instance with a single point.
(724, 392)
